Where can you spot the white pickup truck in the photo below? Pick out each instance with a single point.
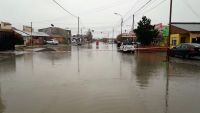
(52, 41)
(127, 47)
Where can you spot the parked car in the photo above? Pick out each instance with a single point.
(52, 41)
(186, 50)
(118, 44)
(127, 47)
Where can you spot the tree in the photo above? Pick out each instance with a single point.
(89, 35)
(145, 32)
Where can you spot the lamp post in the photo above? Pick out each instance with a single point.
(121, 21)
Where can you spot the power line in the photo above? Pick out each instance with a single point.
(137, 2)
(64, 9)
(143, 6)
(155, 6)
(193, 11)
(108, 6)
(131, 8)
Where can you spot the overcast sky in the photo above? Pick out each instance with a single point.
(95, 14)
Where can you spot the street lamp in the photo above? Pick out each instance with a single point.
(121, 21)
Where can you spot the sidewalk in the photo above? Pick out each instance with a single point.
(151, 49)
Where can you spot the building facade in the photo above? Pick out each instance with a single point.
(34, 38)
(184, 33)
(55, 32)
(5, 25)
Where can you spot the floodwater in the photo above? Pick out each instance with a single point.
(94, 79)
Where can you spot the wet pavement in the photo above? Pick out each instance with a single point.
(100, 79)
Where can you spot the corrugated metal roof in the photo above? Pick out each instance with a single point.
(25, 34)
(22, 33)
(188, 26)
(39, 34)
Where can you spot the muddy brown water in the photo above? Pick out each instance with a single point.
(94, 79)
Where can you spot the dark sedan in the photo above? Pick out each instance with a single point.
(186, 50)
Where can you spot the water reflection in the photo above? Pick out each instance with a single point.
(54, 57)
(8, 66)
(148, 64)
(2, 106)
(127, 63)
(62, 48)
(183, 70)
(182, 88)
(97, 46)
(87, 46)
(167, 88)
(146, 84)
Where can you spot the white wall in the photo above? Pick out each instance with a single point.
(5, 26)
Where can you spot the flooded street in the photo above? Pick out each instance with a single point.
(94, 79)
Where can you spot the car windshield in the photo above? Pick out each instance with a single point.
(196, 45)
(128, 43)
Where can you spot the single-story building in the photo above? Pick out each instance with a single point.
(59, 38)
(182, 32)
(35, 38)
(127, 36)
(56, 31)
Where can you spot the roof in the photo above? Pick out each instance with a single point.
(193, 44)
(54, 28)
(128, 35)
(39, 34)
(57, 36)
(193, 27)
(7, 23)
(25, 34)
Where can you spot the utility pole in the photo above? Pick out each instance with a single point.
(170, 21)
(113, 38)
(78, 24)
(68, 13)
(31, 34)
(133, 22)
(121, 25)
(121, 21)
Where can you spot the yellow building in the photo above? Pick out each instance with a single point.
(184, 33)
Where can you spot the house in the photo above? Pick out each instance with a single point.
(182, 32)
(55, 31)
(59, 38)
(158, 41)
(28, 28)
(129, 36)
(35, 38)
(5, 25)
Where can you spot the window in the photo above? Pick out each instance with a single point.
(174, 42)
(184, 46)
